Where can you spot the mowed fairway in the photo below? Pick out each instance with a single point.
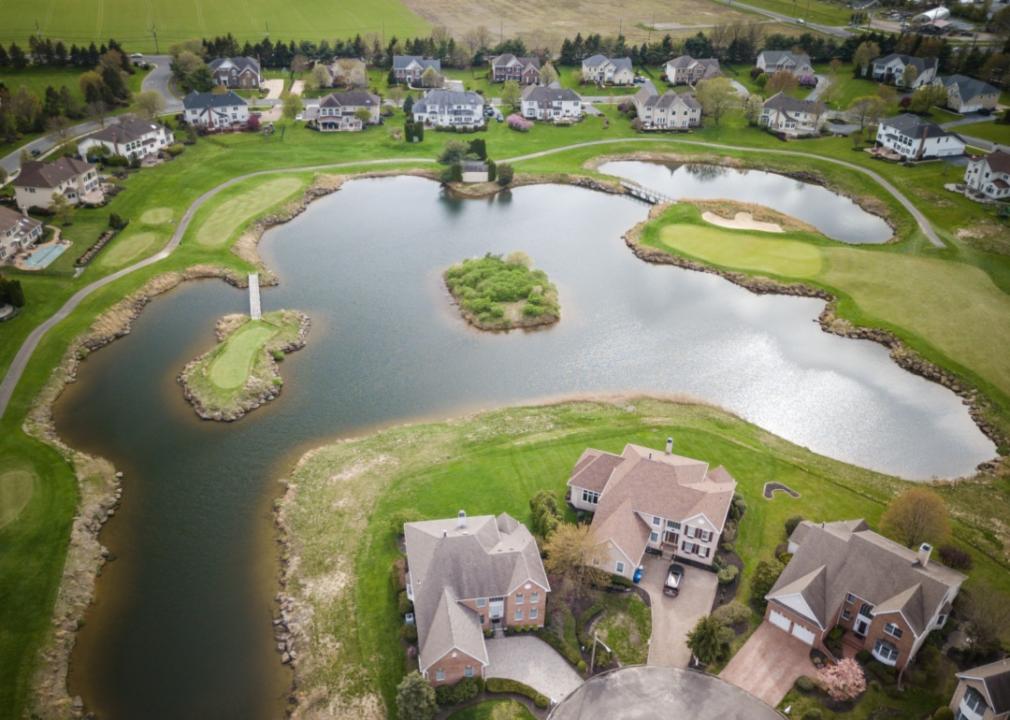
(226, 218)
(231, 368)
(126, 249)
(15, 491)
(754, 250)
(130, 22)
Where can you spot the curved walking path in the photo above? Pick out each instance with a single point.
(30, 343)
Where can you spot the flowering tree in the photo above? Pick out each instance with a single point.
(842, 681)
(518, 122)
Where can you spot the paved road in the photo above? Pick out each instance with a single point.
(532, 662)
(28, 347)
(673, 618)
(159, 80)
(822, 85)
(839, 32)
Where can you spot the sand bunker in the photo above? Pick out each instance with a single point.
(741, 221)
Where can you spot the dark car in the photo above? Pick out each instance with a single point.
(674, 577)
(36, 152)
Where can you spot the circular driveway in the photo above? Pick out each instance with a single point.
(641, 692)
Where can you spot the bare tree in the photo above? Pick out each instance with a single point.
(916, 516)
(867, 110)
(149, 103)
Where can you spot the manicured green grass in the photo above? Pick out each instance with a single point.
(231, 368)
(15, 491)
(847, 87)
(307, 20)
(221, 224)
(992, 131)
(130, 248)
(485, 710)
(494, 463)
(572, 78)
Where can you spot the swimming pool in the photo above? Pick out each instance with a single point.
(45, 256)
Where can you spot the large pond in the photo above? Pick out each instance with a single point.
(835, 215)
(181, 626)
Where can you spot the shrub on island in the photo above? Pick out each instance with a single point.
(495, 293)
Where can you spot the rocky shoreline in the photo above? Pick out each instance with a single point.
(830, 322)
(261, 387)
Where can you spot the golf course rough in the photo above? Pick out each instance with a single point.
(241, 373)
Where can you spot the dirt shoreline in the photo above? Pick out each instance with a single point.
(100, 484)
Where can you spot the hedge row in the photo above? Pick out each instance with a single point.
(502, 685)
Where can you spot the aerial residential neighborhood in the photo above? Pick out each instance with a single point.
(505, 361)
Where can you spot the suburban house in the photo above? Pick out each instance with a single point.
(215, 111)
(669, 111)
(983, 693)
(792, 117)
(524, 70)
(890, 69)
(409, 68)
(133, 139)
(552, 103)
(340, 111)
(913, 138)
(349, 73)
(886, 597)
(968, 95)
(236, 72)
(17, 232)
(686, 70)
(608, 71)
(988, 177)
(41, 181)
(772, 61)
(647, 499)
(450, 109)
(466, 576)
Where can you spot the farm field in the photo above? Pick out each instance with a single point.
(815, 11)
(130, 23)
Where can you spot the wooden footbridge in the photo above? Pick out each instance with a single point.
(641, 192)
(255, 312)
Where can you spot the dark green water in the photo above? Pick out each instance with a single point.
(181, 626)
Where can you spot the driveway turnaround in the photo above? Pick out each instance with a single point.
(532, 662)
(646, 693)
(769, 663)
(673, 618)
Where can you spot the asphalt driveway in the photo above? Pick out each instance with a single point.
(768, 664)
(673, 618)
(532, 662)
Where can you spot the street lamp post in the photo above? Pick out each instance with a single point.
(592, 657)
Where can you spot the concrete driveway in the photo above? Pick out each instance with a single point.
(673, 618)
(532, 662)
(768, 664)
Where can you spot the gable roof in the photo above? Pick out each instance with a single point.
(969, 88)
(686, 62)
(788, 104)
(204, 100)
(914, 126)
(126, 131)
(486, 556)
(995, 679)
(834, 559)
(12, 219)
(777, 57)
(506, 59)
(549, 94)
(919, 63)
(50, 174)
(400, 62)
(998, 160)
(448, 97)
(350, 98)
(240, 64)
(597, 60)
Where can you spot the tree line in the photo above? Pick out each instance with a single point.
(44, 52)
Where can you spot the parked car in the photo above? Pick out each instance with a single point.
(489, 111)
(637, 576)
(674, 577)
(36, 152)
(498, 116)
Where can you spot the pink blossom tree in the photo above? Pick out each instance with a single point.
(842, 681)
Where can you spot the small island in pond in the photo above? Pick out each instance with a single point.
(240, 373)
(496, 293)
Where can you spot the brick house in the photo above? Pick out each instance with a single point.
(524, 70)
(645, 498)
(983, 693)
(466, 576)
(409, 68)
(39, 182)
(885, 597)
(988, 177)
(686, 70)
(236, 72)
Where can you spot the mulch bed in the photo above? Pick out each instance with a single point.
(773, 487)
(725, 594)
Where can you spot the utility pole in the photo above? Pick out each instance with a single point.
(592, 657)
(154, 34)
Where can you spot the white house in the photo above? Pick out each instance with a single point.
(602, 70)
(787, 115)
(913, 138)
(988, 177)
(339, 112)
(686, 70)
(646, 498)
(236, 72)
(450, 109)
(215, 111)
(772, 61)
(669, 111)
(17, 232)
(39, 182)
(890, 69)
(551, 103)
(131, 139)
(968, 95)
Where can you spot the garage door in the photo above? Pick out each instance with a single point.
(779, 620)
(803, 634)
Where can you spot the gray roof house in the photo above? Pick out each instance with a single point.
(786, 115)
(466, 575)
(914, 138)
(410, 68)
(236, 72)
(669, 111)
(891, 69)
(17, 232)
(553, 103)
(688, 70)
(524, 70)
(966, 94)
(450, 108)
(604, 70)
(983, 693)
(771, 61)
(132, 138)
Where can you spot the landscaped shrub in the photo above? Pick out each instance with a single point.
(812, 714)
(501, 685)
(765, 575)
(728, 574)
(620, 581)
(738, 508)
(175, 149)
(864, 656)
(505, 175)
(834, 640)
(729, 532)
(403, 604)
(944, 713)
(886, 675)
(804, 684)
(791, 524)
(733, 613)
(954, 557)
(117, 222)
(727, 547)
(545, 513)
(460, 692)
(409, 633)
(518, 122)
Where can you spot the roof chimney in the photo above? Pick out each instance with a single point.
(925, 550)
(461, 519)
(669, 446)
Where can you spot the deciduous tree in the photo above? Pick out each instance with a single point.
(867, 110)
(510, 94)
(573, 555)
(709, 639)
(864, 55)
(292, 105)
(415, 698)
(781, 81)
(716, 96)
(843, 680)
(916, 516)
(149, 103)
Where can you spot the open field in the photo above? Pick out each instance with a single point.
(131, 25)
(495, 462)
(815, 11)
(992, 131)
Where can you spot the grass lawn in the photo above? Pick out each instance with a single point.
(219, 225)
(572, 78)
(815, 11)
(847, 87)
(992, 131)
(355, 494)
(232, 366)
(15, 492)
(625, 627)
(494, 710)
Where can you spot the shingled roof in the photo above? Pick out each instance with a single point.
(968, 87)
(350, 98)
(914, 126)
(203, 100)
(549, 94)
(918, 63)
(43, 174)
(240, 64)
(998, 160)
(125, 131)
(788, 104)
(462, 559)
(995, 680)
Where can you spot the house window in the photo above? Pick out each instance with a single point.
(893, 630)
(866, 610)
(481, 602)
(588, 496)
(885, 652)
(705, 552)
(619, 567)
(534, 598)
(519, 599)
(439, 675)
(657, 520)
(468, 671)
(534, 613)
(846, 615)
(519, 613)
(653, 537)
(974, 701)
